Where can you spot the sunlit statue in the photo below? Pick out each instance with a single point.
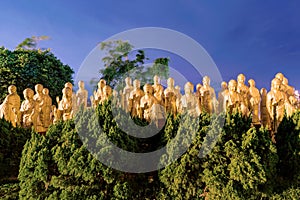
(276, 100)
(178, 97)
(147, 101)
(40, 111)
(135, 100)
(81, 95)
(126, 93)
(264, 113)
(69, 85)
(10, 107)
(223, 92)
(255, 100)
(64, 110)
(208, 96)
(29, 109)
(158, 90)
(232, 100)
(170, 97)
(99, 93)
(243, 90)
(107, 93)
(47, 108)
(116, 100)
(189, 102)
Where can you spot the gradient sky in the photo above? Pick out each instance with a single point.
(257, 38)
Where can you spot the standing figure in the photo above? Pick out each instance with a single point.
(147, 101)
(264, 113)
(178, 97)
(276, 100)
(135, 100)
(10, 108)
(224, 91)
(99, 93)
(189, 102)
(73, 96)
(29, 109)
(81, 95)
(107, 92)
(170, 97)
(232, 100)
(208, 96)
(254, 97)
(243, 90)
(40, 111)
(47, 108)
(65, 110)
(158, 90)
(126, 93)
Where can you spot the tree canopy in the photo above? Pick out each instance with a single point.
(25, 68)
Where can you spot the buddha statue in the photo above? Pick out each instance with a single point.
(135, 100)
(255, 99)
(208, 96)
(81, 95)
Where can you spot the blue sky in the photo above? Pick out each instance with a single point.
(257, 38)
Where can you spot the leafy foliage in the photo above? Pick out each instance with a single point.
(12, 141)
(244, 164)
(117, 65)
(25, 68)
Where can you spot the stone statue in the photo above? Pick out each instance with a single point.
(10, 107)
(178, 97)
(29, 109)
(232, 100)
(69, 85)
(223, 92)
(65, 110)
(243, 90)
(208, 96)
(135, 100)
(189, 102)
(107, 92)
(255, 99)
(276, 100)
(170, 97)
(264, 113)
(81, 95)
(40, 111)
(158, 90)
(126, 93)
(48, 108)
(99, 93)
(147, 101)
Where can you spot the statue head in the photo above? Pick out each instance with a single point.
(128, 81)
(28, 93)
(12, 89)
(224, 85)
(39, 88)
(101, 83)
(45, 91)
(275, 84)
(206, 81)
(170, 82)
(67, 92)
(198, 87)
(107, 91)
(241, 79)
(263, 92)
(232, 85)
(136, 84)
(188, 88)
(147, 89)
(81, 84)
(177, 89)
(251, 83)
(279, 76)
(69, 85)
(156, 80)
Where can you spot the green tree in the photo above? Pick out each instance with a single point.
(117, 64)
(31, 43)
(25, 68)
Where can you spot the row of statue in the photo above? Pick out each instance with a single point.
(154, 101)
